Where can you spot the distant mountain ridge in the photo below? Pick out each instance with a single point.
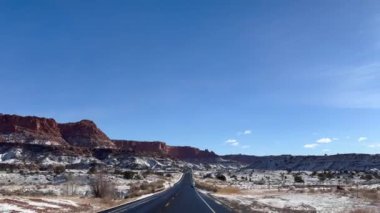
(311, 163)
(84, 137)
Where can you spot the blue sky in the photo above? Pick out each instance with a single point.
(253, 77)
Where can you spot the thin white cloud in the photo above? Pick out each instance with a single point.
(326, 140)
(245, 146)
(362, 139)
(375, 145)
(247, 132)
(232, 142)
(310, 146)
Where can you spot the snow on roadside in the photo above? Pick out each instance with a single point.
(62, 202)
(5, 207)
(31, 205)
(320, 202)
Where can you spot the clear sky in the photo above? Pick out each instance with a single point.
(255, 77)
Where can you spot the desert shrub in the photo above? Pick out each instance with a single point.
(221, 177)
(59, 169)
(259, 182)
(208, 175)
(298, 178)
(329, 175)
(233, 177)
(118, 172)
(102, 187)
(321, 177)
(129, 174)
(92, 170)
(206, 186)
(376, 175)
(137, 177)
(146, 173)
(134, 191)
(145, 188)
(158, 184)
(160, 174)
(366, 177)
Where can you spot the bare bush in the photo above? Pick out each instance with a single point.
(145, 188)
(102, 187)
(59, 169)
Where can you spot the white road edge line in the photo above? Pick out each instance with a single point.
(205, 202)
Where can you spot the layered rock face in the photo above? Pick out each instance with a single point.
(161, 148)
(46, 131)
(85, 134)
(154, 147)
(30, 130)
(187, 152)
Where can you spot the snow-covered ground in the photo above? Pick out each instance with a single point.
(326, 202)
(31, 205)
(277, 191)
(72, 182)
(31, 191)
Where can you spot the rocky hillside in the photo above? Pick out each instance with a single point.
(30, 130)
(162, 149)
(310, 163)
(85, 134)
(46, 131)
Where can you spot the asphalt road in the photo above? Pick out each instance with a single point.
(181, 198)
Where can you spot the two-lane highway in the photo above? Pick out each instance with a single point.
(181, 198)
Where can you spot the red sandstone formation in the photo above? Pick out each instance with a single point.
(187, 152)
(30, 130)
(160, 148)
(44, 131)
(85, 134)
(155, 147)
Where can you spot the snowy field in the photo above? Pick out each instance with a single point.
(286, 191)
(39, 192)
(33, 205)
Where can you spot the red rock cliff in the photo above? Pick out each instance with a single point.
(161, 148)
(30, 130)
(85, 134)
(187, 152)
(140, 147)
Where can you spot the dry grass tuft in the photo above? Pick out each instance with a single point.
(146, 188)
(217, 189)
(229, 190)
